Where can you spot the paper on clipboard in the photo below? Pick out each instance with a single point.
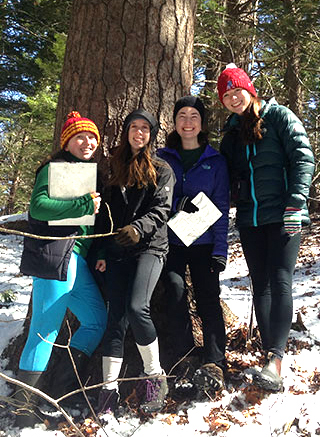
(189, 227)
(68, 180)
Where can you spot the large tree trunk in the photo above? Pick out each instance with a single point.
(121, 55)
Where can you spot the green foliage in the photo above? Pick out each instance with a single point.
(26, 136)
(28, 30)
(33, 36)
(7, 296)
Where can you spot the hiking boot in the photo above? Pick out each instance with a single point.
(152, 392)
(65, 379)
(183, 386)
(209, 377)
(27, 413)
(109, 401)
(269, 378)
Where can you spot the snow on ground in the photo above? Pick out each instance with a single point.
(237, 411)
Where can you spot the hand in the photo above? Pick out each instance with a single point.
(96, 201)
(101, 265)
(127, 236)
(292, 220)
(185, 204)
(218, 263)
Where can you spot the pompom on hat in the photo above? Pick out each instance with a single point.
(234, 77)
(142, 113)
(75, 124)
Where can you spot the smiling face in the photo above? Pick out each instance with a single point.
(188, 124)
(236, 100)
(138, 134)
(82, 145)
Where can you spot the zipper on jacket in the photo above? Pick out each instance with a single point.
(253, 194)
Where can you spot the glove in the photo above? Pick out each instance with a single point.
(292, 220)
(127, 236)
(186, 205)
(218, 263)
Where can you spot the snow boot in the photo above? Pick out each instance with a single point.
(183, 385)
(65, 379)
(209, 378)
(109, 401)
(152, 392)
(269, 378)
(27, 413)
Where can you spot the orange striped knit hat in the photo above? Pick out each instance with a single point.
(75, 124)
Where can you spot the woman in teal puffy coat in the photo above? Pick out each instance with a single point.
(270, 164)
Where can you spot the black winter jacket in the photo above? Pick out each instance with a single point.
(47, 259)
(147, 209)
(273, 173)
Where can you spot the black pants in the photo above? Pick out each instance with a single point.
(130, 285)
(206, 290)
(271, 256)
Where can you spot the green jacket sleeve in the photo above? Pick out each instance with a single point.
(43, 208)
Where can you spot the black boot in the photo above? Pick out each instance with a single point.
(65, 379)
(27, 411)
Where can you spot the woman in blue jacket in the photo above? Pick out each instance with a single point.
(198, 168)
(271, 164)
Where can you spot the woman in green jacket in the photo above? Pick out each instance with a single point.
(270, 164)
(61, 277)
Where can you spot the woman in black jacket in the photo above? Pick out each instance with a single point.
(139, 193)
(271, 164)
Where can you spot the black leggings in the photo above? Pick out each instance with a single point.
(207, 291)
(130, 285)
(271, 256)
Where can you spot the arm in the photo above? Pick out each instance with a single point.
(220, 198)
(299, 156)
(43, 208)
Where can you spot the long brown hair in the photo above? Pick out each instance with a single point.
(251, 122)
(128, 169)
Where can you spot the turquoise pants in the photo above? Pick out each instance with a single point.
(50, 300)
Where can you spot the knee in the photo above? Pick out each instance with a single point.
(137, 312)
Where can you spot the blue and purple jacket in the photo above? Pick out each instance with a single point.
(209, 175)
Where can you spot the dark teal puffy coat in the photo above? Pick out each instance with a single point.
(273, 173)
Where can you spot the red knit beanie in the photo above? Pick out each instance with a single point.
(75, 124)
(233, 77)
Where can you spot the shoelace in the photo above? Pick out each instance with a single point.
(153, 387)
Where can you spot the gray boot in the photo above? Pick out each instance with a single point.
(27, 411)
(269, 378)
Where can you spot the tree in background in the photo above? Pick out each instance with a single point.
(121, 55)
(277, 42)
(26, 135)
(225, 32)
(33, 45)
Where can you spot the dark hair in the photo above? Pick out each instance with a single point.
(60, 154)
(128, 169)
(174, 139)
(251, 122)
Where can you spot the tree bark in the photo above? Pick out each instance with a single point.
(121, 55)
